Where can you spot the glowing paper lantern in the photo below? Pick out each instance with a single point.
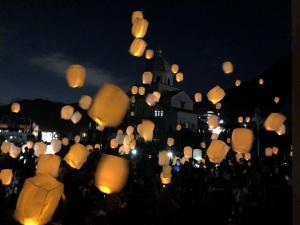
(275, 150)
(197, 154)
(151, 100)
(89, 148)
(137, 47)
(134, 90)
(66, 112)
(214, 136)
(111, 174)
(14, 151)
(156, 95)
(56, 145)
(163, 158)
(109, 106)
(165, 179)
(139, 27)
(281, 130)
(217, 151)
(228, 140)
(216, 94)
(132, 144)
(136, 15)
(170, 141)
(240, 119)
(213, 121)
(77, 138)
(242, 140)
(183, 160)
(238, 83)
(174, 68)
(129, 130)
(178, 127)
(48, 164)
(147, 128)
(203, 144)
(29, 144)
(276, 100)
(76, 117)
(247, 119)
(198, 97)
(113, 143)
(5, 147)
(85, 102)
(6, 176)
(147, 77)
(268, 152)
(77, 156)
(38, 199)
(149, 54)
(76, 76)
(127, 139)
(141, 90)
(239, 156)
(274, 122)
(179, 77)
(15, 107)
(120, 138)
(39, 148)
(218, 106)
(188, 152)
(261, 81)
(65, 141)
(227, 67)
(97, 146)
(247, 156)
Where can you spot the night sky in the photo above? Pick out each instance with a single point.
(40, 39)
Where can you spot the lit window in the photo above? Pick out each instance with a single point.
(161, 113)
(133, 99)
(132, 113)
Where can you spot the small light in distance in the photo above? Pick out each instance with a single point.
(133, 152)
(170, 154)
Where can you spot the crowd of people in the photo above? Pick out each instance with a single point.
(234, 192)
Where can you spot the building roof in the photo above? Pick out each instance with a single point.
(157, 63)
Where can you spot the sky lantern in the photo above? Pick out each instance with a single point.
(48, 164)
(203, 144)
(5, 146)
(227, 67)
(85, 102)
(39, 148)
(141, 90)
(66, 112)
(198, 97)
(127, 139)
(109, 106)
(174, 68)
(29, 144)
(274, 122)
(132, 144)
(76, 76)
(157, 95)
(275, 150)
(38, 200)
(218, 105)
(129, 130)
(261, 81)
(137, 47)
(183, 160)
(15, 107)
(147, 128)
(77, 138)
(77, 156)
(179, 77)
(217, 151)
(14, 151)
(151, 100)
(268, 151)
(163, 158)
(165, 179)
(276, 100)
(282, 130)
(113, 143)
(248, 119)
(178, 127)
(147, 77)
(228, 140)
(56, 145)
(6, 176)
(247, 156)
(139, 27)
(238, 83)
(240, 119)
(111, 174)
(242, 140)
(213, 121)
(216, 94)
(149, 54)
(134, 90)
(239, 156)
(197, 154)
(214, 136)
(65, 141)
(188, 152)
(170, 141)
(76, 117)
(136, 15)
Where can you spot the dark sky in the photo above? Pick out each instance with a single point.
(39, 39)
